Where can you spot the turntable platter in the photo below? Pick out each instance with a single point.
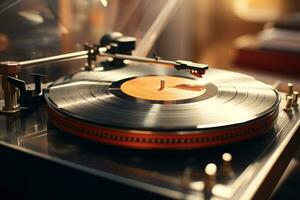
(141, 106)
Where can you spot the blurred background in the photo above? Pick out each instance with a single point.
(261, 38)
(257, 37)
(205, 30)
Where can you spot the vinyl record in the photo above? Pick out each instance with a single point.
(156, 107)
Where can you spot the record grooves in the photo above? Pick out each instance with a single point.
(166, 111)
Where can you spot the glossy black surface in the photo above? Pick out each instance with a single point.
(39, 160)
(91, 97)
(161, 172)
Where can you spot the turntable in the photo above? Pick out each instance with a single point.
(135, 107)
(144, 128)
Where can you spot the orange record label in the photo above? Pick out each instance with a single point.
(162, 88)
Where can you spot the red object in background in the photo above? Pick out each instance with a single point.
(248, 54)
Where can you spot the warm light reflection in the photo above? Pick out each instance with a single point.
(257, 10)
(222, 191)
(104, 2)
(151, 119)
(32, 16)
(71, 84)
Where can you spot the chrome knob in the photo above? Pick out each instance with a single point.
(226, 171)
(210, 177)
(290, 90)
(295, 98)
(288, 105)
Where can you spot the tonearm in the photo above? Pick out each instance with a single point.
(113, 45)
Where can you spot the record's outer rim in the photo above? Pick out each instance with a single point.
(168, 138)
(136, 139)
